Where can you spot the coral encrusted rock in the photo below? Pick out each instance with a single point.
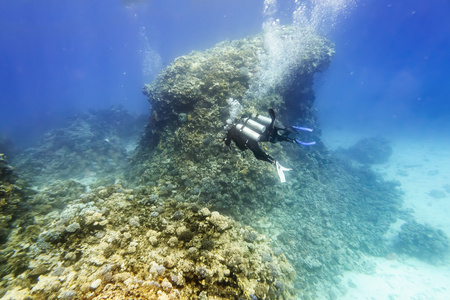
(423, 241)
(182, 145)
(11, 197)
(91, 250)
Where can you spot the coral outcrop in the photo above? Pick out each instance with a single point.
(12, 197)
(179, 227)
(311, 218)
(182, 146)
(106, 246)
(374, 150)
(30, 216)
(94, 146)
(423, 241)
(7, 146)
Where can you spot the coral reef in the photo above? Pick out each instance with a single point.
(182, 146)
(423, 242)
(105, 246)
(12, 196)
(374, 150)
(189, 97)
(94, 146)
(175, 223)
(328, 212)
(7, 146)
(34, 211)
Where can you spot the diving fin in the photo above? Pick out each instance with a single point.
(280, 170)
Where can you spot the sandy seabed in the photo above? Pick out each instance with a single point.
(422, 166)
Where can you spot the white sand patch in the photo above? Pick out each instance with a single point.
(421, 164)
(393, 279)
(423, 170)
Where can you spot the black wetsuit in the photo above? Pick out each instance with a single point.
(269, 135)
(247, 133)
(244, 143)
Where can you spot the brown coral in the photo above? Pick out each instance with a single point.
(107, 258)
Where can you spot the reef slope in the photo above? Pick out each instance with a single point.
(188, 218)
(326, 215)
(117, 243)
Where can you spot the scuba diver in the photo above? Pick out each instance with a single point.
(248, 132)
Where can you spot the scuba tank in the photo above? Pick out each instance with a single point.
(262, 119)
(254, 127)
(247, 132)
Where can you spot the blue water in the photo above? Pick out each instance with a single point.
(391, 67)
(59, 57)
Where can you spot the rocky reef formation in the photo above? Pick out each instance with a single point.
(328, 213)
(7, 146)
(29, 216)
(374, 150)
(182, 148)
(194, 220)
(117, 243)
(423, 241)
(94, 145)
(12, 197)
